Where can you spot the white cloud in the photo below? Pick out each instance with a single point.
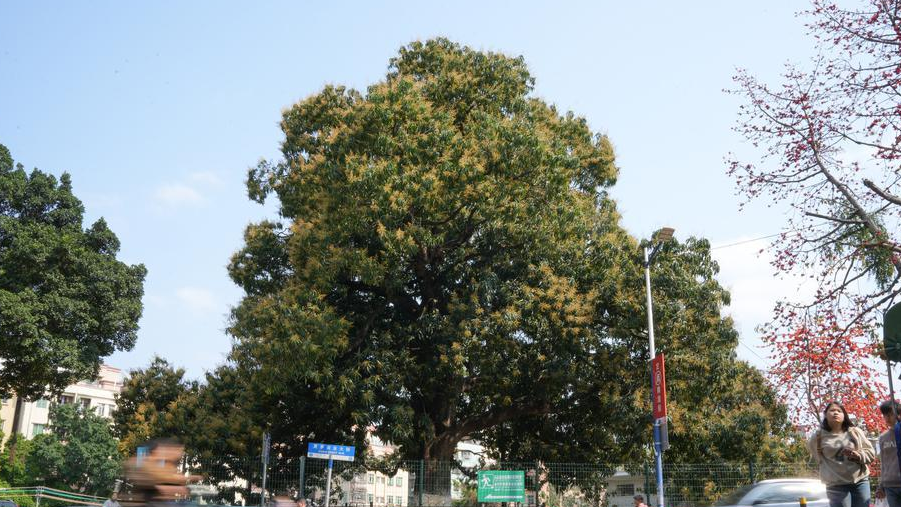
(197, 299)
(177, 194)
(187, 192)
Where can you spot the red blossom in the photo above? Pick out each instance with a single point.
(817, 361)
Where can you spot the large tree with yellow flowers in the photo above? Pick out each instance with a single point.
(447, 264)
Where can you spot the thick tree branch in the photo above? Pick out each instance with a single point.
(882, 193)
(500, 415)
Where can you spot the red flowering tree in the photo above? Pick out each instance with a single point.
(818, 361)
(829, 144)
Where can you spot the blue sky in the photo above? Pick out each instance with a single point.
(157, 110)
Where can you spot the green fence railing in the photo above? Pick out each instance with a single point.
(239, 481)
(42, 496)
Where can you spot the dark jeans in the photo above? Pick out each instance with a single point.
(893, 496)
(860, 494)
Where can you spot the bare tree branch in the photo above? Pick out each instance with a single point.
(882, 193)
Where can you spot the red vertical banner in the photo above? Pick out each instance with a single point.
(658, 377)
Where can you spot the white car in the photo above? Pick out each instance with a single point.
(777, 493)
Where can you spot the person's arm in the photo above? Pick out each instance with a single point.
(813, 445)
(879, 487)
(867, 453)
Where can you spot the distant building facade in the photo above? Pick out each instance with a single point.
(623, 486)
(376, 488)
(469, 454)
(7, 410)
(98, 395)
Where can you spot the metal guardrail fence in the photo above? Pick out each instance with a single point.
(239, 481)
(38, 496)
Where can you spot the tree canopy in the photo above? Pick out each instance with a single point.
(447, 263)
(65, 300)
(78, 453)
(208, 417)
(826, 144)
(827, 362)
(154, 402)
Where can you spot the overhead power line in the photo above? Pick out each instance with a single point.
(746, 241)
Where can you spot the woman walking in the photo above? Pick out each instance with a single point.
(842, 451)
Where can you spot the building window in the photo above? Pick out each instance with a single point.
(370, 498)
(37, 429)
(391, 481)
(65, 399)
(398, 481)
(41, 403)
(371, 481)
(625, 489)
(85, 403)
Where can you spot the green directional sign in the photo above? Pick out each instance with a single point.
(891, 332)
(502, 486)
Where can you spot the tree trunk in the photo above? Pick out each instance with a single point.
(14, 437)
(433, 480)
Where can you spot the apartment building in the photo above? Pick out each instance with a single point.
(380, 490)
(623, 486)
(34, 416)
(7, 409)
(376, 488)
(468, 454)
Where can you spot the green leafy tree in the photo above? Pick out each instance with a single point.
(155, 401)
(431, 268)
(209, 418)
(78, 453)
(221, 436)
(65, 300)
(721, 409)
(12, 461)
(448, 264)
(220, 425)
(469, 493)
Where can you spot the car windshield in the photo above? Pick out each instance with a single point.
(733, 497)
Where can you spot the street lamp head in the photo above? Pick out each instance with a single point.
(664, 234)
(660, 237)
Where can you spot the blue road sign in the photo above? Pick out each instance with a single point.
(330, 451)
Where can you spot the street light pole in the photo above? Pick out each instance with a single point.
(647, 285)
(649, 253)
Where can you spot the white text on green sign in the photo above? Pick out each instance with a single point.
(502, 486)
